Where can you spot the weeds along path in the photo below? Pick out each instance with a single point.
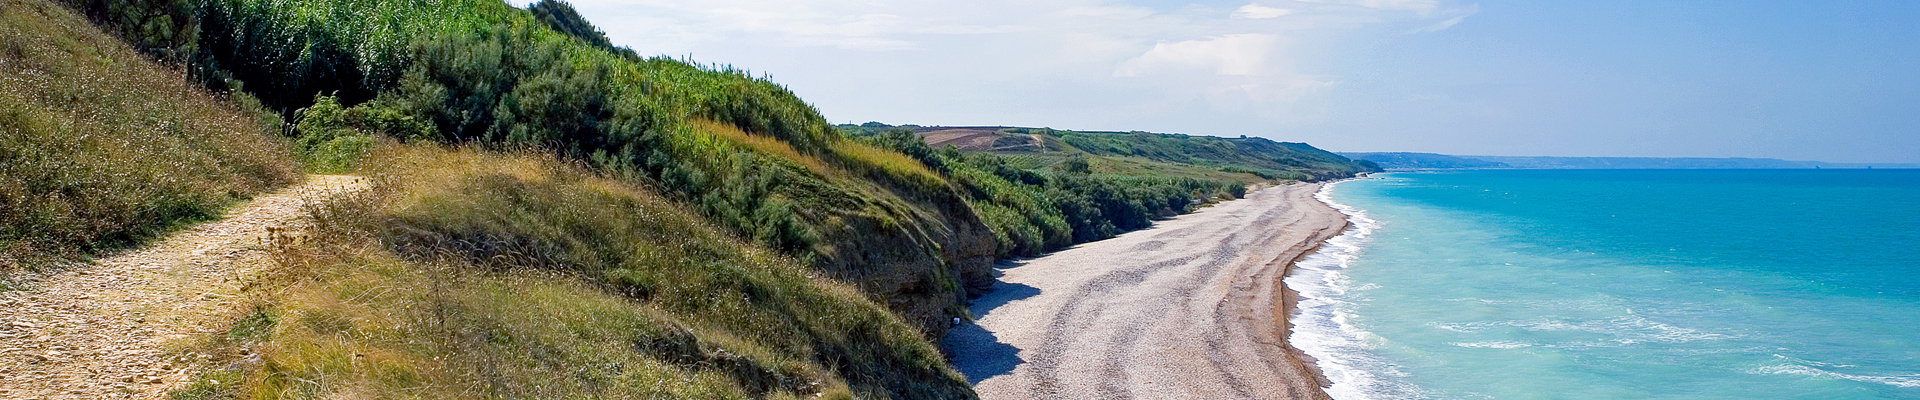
(108, 330)
(1193, 308)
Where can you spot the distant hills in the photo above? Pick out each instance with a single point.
(1407, 161)
(1141, 153)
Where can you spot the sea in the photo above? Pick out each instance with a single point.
(1618, 284)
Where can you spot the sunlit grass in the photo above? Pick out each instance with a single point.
(890, 164)
(465, 274)
(100, 148)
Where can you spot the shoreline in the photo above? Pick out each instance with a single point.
(1290, 302)
(1195, 307)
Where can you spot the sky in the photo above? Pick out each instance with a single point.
(1825, 81)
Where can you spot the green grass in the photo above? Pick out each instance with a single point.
(1039, 201)
(101, 148)
(466, 274)
(741, 151)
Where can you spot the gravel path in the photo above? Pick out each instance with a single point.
(1193, 308)
(111, 330)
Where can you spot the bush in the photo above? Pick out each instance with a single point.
(326, 138)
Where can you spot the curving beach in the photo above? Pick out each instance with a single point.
(1193, 308)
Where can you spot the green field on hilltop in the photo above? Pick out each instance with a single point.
(1044, 189)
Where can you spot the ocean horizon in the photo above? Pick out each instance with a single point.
(1605, 284)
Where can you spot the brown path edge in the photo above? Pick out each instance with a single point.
(119, 327)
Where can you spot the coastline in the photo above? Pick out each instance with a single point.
(1195, 307)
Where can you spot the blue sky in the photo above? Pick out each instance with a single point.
(1794, 80)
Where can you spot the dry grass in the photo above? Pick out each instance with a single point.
(889, 164)
(100, 148)
(472, 275)
(761, 143)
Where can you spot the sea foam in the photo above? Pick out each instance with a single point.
(1323, 325)
(1793, 366)
(1617, 284)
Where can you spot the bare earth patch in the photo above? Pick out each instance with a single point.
(111, 330)
(1193, 308)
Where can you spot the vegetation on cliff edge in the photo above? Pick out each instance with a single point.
(470, 274)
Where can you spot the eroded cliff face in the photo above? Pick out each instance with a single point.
(923, 268)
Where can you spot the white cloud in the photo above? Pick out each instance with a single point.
(1256, 11)
(1120, 62)
(1240, 54)
(1460, 14)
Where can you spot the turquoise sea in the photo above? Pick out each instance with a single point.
(1619, 284)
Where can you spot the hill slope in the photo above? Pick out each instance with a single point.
(467, 273)
(1267, 158)
(1043, 189)
(100, 149)
(742, 152)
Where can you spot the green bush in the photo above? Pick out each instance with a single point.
(326, 139)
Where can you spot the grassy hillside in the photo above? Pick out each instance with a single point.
(1267, 158)
(1044, 189)
(469, 274)
(743, 152)
(101, 148)
(1182, 153)
(476, 272)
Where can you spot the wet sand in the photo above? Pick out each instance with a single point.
(1193, 308)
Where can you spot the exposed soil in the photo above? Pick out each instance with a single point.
(962, 138)
(1193, 308)
(116, 328)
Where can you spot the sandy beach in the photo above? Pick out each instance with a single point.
(1193, 308)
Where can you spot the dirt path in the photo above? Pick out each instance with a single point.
(1191, 309)
(103, 331)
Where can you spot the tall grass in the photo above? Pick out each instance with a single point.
(742, 151)
(101, 148)
(470, 275)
